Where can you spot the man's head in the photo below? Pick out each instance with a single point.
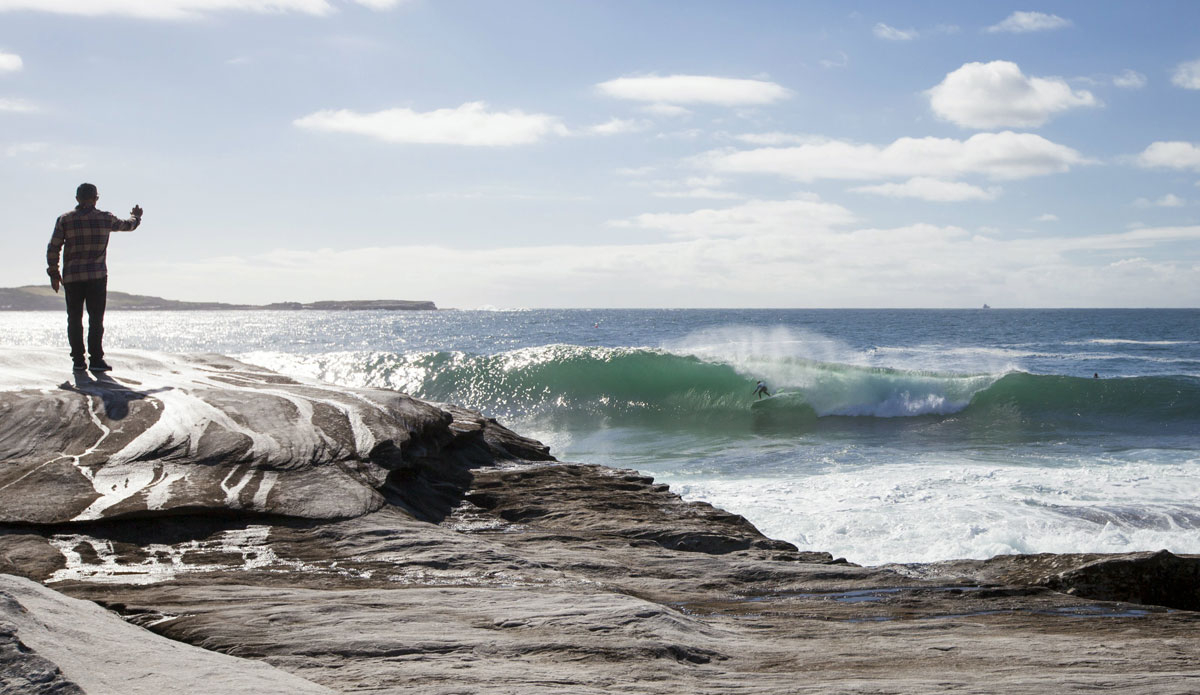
(87, 194)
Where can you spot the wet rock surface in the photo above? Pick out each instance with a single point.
(358, 540)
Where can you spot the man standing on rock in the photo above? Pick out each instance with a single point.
(84, 231)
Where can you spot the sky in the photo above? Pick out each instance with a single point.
(614, 153)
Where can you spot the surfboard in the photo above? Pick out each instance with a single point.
(762, 402)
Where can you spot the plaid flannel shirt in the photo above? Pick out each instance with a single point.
(84, 231)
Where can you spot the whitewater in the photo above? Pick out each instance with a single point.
(891, 435)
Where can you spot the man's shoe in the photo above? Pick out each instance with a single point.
(99, 365)
(80, 364)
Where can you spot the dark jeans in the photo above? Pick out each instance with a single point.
(93, 293)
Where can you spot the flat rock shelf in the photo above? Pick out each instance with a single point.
(193, 524)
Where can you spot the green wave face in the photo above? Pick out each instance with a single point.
(601, 381)
(1164, 399)
(613, 385)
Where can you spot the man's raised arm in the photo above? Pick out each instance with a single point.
(120, 225)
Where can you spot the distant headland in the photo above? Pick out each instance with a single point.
(37, 298)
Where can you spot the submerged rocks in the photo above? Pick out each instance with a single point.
(363, 540)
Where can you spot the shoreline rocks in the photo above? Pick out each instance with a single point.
(360, 539)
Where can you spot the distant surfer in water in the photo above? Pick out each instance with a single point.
(760, 390)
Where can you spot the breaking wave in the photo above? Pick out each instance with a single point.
(625, 383)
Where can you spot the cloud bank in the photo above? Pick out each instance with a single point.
(1003, 155)
(933, 190)
(999, 95)
(471, 124)
(815, 265)
(752, 218)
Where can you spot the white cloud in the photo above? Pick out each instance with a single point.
(1046, 217)
(380, 4)
(1024, 22)
(802, 215)
(47, 155)
(698, 187)
(1130, 79)
(884, 31)
(1170, 154)
(501, 192)
(700, 193)
(694, 89)
(777, 138)
(688, 134)
(668, 110)
(185, 9)
(1187, 75)
(1004, 155)
(998, 94)
(934, 190)
(840, 62)
(25, 148)
(17, 106)
(469, 124)
(1169, 200)
(10, 62)
(618, 126)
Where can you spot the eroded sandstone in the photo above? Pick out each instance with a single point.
(362, 540)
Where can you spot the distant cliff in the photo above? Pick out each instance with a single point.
(38, 298)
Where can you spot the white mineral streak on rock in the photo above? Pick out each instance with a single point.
(158, 493)
(165, 562)
(364, 439)
(234, 490)
(180, 426)
(259, 503)
(104, 432)
(116, 483)
(154, 465)
(35, 470)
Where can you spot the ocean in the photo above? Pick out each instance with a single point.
(890, 435)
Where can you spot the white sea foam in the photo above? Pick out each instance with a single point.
(1126, 341)
(940, 510)
(835, 379)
